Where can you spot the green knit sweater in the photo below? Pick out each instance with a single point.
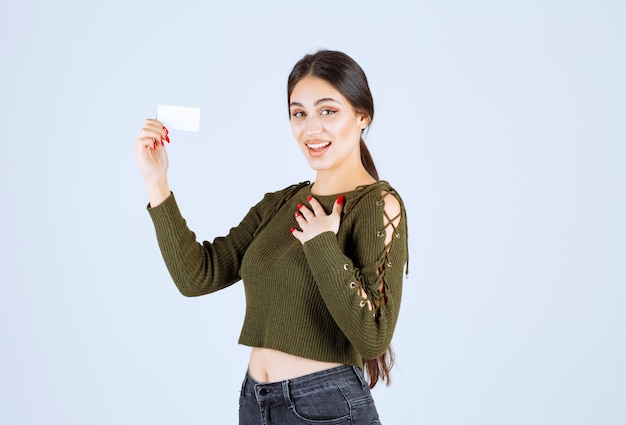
(307, 300)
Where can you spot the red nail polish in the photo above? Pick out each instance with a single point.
(298, 214)
(308, 198)
(167, 138)
(292, 230)
(340, 199)
(166, 132)
(300, 206)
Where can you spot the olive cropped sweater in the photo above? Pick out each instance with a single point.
(334, 298)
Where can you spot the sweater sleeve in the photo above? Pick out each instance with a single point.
(362, 288)
(201, 268)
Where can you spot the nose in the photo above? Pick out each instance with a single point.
(313, 125)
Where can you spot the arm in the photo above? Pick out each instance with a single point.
(196, 268)
(202, 268)
(362, 290)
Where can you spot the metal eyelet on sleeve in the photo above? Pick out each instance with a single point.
(362, 303)
(352, 285)
(346, 266)
(380, 233)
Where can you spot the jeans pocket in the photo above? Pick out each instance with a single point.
(325, 406)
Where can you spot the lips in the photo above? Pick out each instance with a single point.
(318, 145)
(318, 148)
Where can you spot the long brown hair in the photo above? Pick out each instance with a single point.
(343, 73)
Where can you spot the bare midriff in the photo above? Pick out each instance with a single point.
(267, 365)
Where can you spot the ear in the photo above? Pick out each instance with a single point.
(363, 121)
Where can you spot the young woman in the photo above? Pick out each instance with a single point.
(322, 263)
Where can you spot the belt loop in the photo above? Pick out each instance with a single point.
(359, 374)
(286, 395)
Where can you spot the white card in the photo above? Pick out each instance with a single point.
(179, 117)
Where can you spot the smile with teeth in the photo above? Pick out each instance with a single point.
(316, 146)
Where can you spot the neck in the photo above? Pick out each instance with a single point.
(331, 182)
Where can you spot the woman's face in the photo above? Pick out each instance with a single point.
(325, 125)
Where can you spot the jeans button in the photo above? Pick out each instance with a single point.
(263, 391)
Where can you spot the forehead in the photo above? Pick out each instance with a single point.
(310, 89)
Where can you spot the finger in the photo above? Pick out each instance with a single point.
(154, 128)
(158, 126)
(153, 137)
(318, 209)
(304, 211)
(301, 219)
(151, 122)
(296, 233)
(144, 142)
(156, 132)
(150, 135)
(338, 206)
(149, 143)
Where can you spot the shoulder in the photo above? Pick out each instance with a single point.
(378, 205)
(392, 201)
(277, 198)
(380, 194)
(294, 188)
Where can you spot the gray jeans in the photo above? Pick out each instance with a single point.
(337, 396)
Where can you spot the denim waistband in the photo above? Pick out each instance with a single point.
(335, 377)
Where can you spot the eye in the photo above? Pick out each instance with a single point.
(327, 112)
(297, 114)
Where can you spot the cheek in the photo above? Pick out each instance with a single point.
(346, 129)
(296, 128)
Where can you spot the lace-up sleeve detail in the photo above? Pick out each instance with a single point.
(360, 271)
(374, 293)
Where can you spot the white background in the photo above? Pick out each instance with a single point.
(500, 123)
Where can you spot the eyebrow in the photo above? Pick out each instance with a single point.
(317, 102)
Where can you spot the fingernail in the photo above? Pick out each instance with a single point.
(340, 199)
(300, 206)
(167, 138)
(297, 214)
(165, 128)
(162, 143)
(292, 230)
(309, 198)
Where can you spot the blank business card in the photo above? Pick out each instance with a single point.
(181, 118)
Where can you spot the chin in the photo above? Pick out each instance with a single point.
(317, 165)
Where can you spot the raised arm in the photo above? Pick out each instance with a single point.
(196, 268)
